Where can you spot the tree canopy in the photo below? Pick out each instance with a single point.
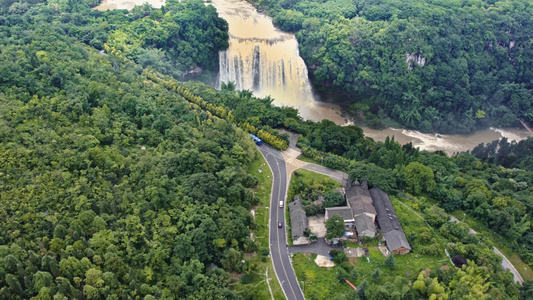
(118, 181)
(113, 186)
(335, 227)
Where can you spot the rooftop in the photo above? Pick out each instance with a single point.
(396, 239)
(359, 199)
(345, 212)
(298, 218)
(296, 203)
(364, 226)
(388, 221)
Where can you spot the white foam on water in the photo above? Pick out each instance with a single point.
(127, 4)
(511, 136)
(432, 141)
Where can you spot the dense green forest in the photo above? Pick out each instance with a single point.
(111, 187)
(180, 40)
(447, 66)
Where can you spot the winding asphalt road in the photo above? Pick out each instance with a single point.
(506, 263)
(277, 236)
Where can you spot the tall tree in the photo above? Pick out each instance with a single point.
(418, 177)
(335, 227)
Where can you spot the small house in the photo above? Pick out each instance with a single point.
(365, 226)
(345, 212)
(298, 218)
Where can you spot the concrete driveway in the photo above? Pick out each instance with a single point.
(338, 176)
(317, 225)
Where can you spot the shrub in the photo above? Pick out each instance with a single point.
(265, 251)
(390, 262)
(246, 279)
(376, 274)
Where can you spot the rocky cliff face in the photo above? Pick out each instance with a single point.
(414, 58)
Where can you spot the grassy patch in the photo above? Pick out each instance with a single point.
(257, 279)
(309, 160)
(320, 178)
(308, 183)
(350, 244)
(288, 227)
(262, 191)
(317, 282)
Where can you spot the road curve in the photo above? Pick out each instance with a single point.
(277, 236)
(338, 176)
(506, 263)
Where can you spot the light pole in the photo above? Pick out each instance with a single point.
(303, 285)
(464, 215)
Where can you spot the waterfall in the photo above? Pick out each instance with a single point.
(270, 66)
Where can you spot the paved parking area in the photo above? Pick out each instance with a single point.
(319, 247)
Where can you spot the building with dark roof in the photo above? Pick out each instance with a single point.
(345, 212)
(365, 226)
(298, 218)
(389, 224)
(360, 201)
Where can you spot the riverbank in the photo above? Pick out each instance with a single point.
(449, 143)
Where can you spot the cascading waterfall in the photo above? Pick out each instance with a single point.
(256, 69)
(264, 59)
(267, 67)
(279, 71)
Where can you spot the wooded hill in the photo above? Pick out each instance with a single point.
(445, 66)
(111, 187)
